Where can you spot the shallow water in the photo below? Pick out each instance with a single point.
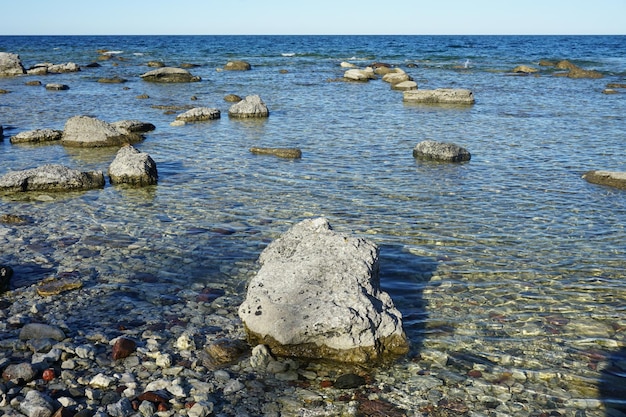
(511, 256)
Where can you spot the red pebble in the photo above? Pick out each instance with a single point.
(326, 384)
(162, 407)
(48, 374)
(123, 348)
(474, 373)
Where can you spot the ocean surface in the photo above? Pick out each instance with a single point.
(511, 256)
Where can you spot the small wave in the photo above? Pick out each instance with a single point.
(288, 54)
(112, 52)
(138, 53)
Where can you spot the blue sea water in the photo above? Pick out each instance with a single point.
(483, 256)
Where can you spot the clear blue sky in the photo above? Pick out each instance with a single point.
(85, 17)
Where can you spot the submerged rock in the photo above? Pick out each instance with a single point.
(249, 107)
(609, 178)
(440, 151)
(131, 166)
(440, 96)
(293, 153)
(237, 66)
(317, 295)
(10, 65)
(51, 177)
(169, 75)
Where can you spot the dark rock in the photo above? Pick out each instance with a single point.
(123, 348)
(6, 272)
(439, 151)
(112, 80)
(349, 381)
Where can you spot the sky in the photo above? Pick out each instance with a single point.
(332, 17)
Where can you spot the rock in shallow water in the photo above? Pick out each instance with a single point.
(318, 295)
(51, 177)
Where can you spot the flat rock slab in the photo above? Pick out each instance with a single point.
(199, 114)
(610, 178)
(317, 295)
(37, 136)
(293, 153)
(51, 177)
(440, 96)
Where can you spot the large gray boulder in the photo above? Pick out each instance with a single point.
(440, 96)
(615, 179)
(51, 177)
(317, 295)
(169, 75)
(356, 74)
(131, 166)
(37, 136)
(251, 106)
(441, 151)
(10, 65)
(89, 132)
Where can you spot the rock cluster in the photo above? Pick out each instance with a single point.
(317, 295)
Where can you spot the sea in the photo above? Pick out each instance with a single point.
(511, 257)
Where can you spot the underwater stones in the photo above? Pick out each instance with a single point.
(250, 107)
(134, 167)
(169, 75)
(317, 295)
(291, 153)
(50, 177)
(524, 69)
(440, 151)
(456, 96)
(609, 178)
